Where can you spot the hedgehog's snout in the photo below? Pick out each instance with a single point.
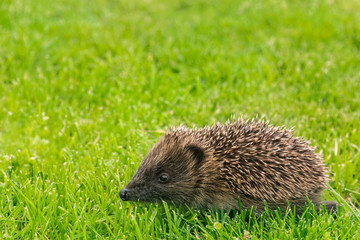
(124, 194)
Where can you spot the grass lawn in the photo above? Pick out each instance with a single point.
(86, 87)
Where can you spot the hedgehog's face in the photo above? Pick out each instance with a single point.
(170, 173)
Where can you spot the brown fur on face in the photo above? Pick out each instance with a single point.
(218, 165)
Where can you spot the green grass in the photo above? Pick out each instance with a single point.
(85, 87)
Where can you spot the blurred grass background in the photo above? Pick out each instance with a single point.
(85, 86)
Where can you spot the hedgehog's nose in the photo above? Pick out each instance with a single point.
(124, 194)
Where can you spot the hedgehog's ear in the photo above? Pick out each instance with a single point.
(197, 153)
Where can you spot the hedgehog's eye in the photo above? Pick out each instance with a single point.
(163, 178)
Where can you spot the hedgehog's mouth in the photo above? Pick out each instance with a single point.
(137, 195)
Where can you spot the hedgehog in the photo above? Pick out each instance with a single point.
(236, 165)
